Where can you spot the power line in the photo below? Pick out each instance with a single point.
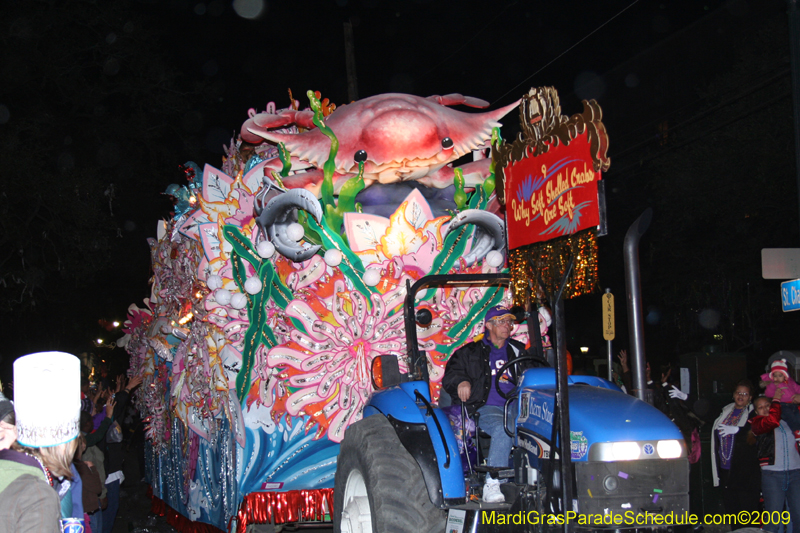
(760, 83)
(523, 82)
(751, 111)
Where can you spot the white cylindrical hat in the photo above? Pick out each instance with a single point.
(47, 398)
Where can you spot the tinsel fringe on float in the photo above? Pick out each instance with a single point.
(283, 507)
(257, 508)
(549, 260)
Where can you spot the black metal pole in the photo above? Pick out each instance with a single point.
(562, 396)
(633, 289)
(610, 352)
(562, 399)
(794, 48)
(417, 360)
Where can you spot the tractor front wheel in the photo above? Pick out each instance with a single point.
(379, 486)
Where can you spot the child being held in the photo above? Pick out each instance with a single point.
(781, 387)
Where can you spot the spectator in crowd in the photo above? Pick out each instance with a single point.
(27, 501)
(779, 460)
(113, 451)
(8, 423)
(134, 430)
(46, 413)
(627, 379)
(616, 377)
(673, 402)
(780, 385)
(90, 481)
(625, 376)
(86, 400)
(734, 466)
(655, 388)
(93, 454)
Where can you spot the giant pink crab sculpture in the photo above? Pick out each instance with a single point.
(399, 137)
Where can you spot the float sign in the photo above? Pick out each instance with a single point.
(790, 295)
(553, 194)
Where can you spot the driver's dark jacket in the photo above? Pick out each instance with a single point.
(471, 363)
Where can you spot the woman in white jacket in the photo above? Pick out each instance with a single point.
(735, 463)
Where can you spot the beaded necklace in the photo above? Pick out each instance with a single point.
(726, 448)
(726, 443)
(44, 468)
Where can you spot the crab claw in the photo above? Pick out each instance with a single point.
(459, 99)
(279, 213)
(489, 233)
(258, 124)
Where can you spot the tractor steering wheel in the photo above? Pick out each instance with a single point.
(511, 362)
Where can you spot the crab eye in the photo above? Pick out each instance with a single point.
(447, 143)
(360, 156)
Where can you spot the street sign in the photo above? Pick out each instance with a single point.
(790, 295)
(608, 316)
(780, 263)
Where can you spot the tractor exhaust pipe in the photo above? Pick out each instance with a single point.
(633, 288)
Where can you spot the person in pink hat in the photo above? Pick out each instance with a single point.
(780, 387)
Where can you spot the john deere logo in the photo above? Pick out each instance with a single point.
(579, 445)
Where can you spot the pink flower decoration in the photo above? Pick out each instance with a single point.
(331, 364)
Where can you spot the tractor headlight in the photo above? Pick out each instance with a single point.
(637, 450)
(669, 449)
(625, 451)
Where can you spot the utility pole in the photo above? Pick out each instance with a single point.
(794, 47)
(350, 61)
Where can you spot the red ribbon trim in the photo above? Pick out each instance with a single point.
(283, 507)
(257, 508)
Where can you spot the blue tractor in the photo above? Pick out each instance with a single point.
(586, 456)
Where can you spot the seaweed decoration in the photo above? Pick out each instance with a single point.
(455, 244)
(351, 264)
(286, 159)
(334, 211)
(459, 196)
(326, 192)
(256, 304)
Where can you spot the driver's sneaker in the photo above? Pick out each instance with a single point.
(492, 492)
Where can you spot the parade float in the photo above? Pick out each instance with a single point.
(281, 276)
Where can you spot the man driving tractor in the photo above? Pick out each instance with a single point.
(469, 378)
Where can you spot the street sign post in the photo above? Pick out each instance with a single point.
(608, 327)
(790, 295)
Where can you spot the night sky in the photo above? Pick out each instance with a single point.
(122, 92)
